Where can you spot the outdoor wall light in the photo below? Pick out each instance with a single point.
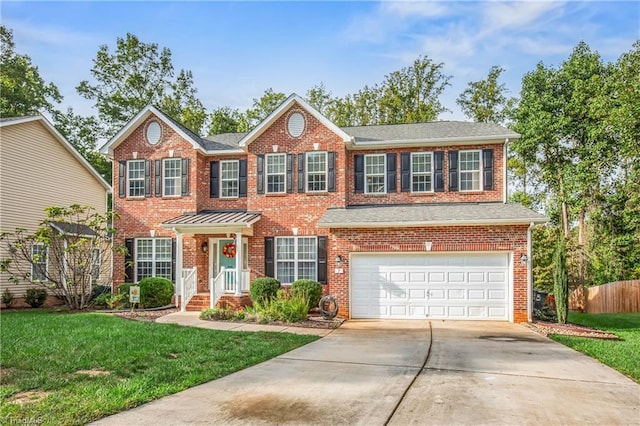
(338, 261)
(523, 259)
(204, 247)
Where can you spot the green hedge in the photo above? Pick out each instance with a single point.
(309, 289)
(264, 288)
(154, 292)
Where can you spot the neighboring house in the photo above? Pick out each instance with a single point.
(39, 169)
(397, 221)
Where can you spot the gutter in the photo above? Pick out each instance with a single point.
(430, 223)
(505, 196)
(529, 273)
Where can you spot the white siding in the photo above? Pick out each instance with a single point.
(38, 171)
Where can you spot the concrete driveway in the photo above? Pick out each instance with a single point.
(409, 372)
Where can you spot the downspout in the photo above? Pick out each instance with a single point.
(505, 182)
(529, 273)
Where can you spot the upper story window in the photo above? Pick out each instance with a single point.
(153, 258)
(296, 258)
(470, 166)
(229, 179)
(135, 177)
(421, 172)
(96, 261)
(172, 172)
(374, 174)
(276, 168)
(316, 171)
(39, 267)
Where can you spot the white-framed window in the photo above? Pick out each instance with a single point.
(276, 173)
(172, 173)
(296, 259)
(135, 178)
(316, 171)
(229, 179)
(374, 174)
(153, 258)
(421, 172)
(96, 261)
(40, 265)
(469, 164)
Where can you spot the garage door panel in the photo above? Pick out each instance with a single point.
(438, 286)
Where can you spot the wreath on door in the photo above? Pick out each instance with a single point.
(229, 250)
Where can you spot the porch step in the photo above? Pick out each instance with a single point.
(201, 301)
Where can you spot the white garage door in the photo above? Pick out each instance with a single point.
(434, 286)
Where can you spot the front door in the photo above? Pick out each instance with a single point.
(227, 259)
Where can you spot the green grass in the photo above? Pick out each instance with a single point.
(622, 355)
(42, 351)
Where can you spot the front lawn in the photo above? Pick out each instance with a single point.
(622, 355)
(75, 368)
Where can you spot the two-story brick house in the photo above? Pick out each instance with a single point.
(398, 221)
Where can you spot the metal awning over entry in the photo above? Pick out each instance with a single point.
(214, 222)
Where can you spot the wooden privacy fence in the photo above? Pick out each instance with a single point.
(612, 298)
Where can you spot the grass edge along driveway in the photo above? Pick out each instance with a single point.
(622, 355)
(60, 368)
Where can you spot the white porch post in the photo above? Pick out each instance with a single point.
(179, 282)
(239, 258)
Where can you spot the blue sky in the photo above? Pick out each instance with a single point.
(236, 50)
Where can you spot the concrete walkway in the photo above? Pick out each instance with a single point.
(191, 319)
(409, 372)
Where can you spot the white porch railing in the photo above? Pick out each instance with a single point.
(189, 286)
(231, 280)
(217, 288)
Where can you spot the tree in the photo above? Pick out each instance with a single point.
(227, 120)
(561, 281)
(319, 98)
(264, 106)
(24, 91)
(83, 133)
(135, 75)
(485, 101)
(68, 254)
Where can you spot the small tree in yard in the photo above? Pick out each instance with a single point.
(561, 281)
(67, 255)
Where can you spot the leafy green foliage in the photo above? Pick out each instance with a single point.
(7, 298)
(155, 292)
(141, 362)
(309, 289)
(35, 297)
(623, 354)
(285, 307)
(485, 101)
(561, 282)
(263, 288)
(24, 91)
(219, 314)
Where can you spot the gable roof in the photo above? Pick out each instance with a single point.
(13, 121)
(201, 144)
(284, 107)
(436, 214)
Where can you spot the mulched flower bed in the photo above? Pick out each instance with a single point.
(546, 328)
(149, 316)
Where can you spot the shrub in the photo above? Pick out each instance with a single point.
(99, 290)
(284, 307)
(219, 314)
(35, 297)
(101, 300)
(155, 292)
(7, 298)
(264, 288)
(114, 300)
(309, 289)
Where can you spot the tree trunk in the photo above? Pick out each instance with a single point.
(581, 242)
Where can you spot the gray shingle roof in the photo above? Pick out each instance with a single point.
(223, 141)
(429, 215)
(434, 130)
(77, 229)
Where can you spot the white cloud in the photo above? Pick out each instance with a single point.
(519, 14)
(414, 9)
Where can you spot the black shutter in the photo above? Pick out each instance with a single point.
(453, 170)
(214, 183)
(405, 172)
(301, 173)
(242, 178)
(147, 178)
(331, 172)
(269, 254)
(487, 168)
(260, 174)
(322, 260)
(438, 174)
(173, 260)
(185, 176)
(122, 180)
(157, 173)
(128, 261)
(289, 173)
(391, 173)
(358, 168)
